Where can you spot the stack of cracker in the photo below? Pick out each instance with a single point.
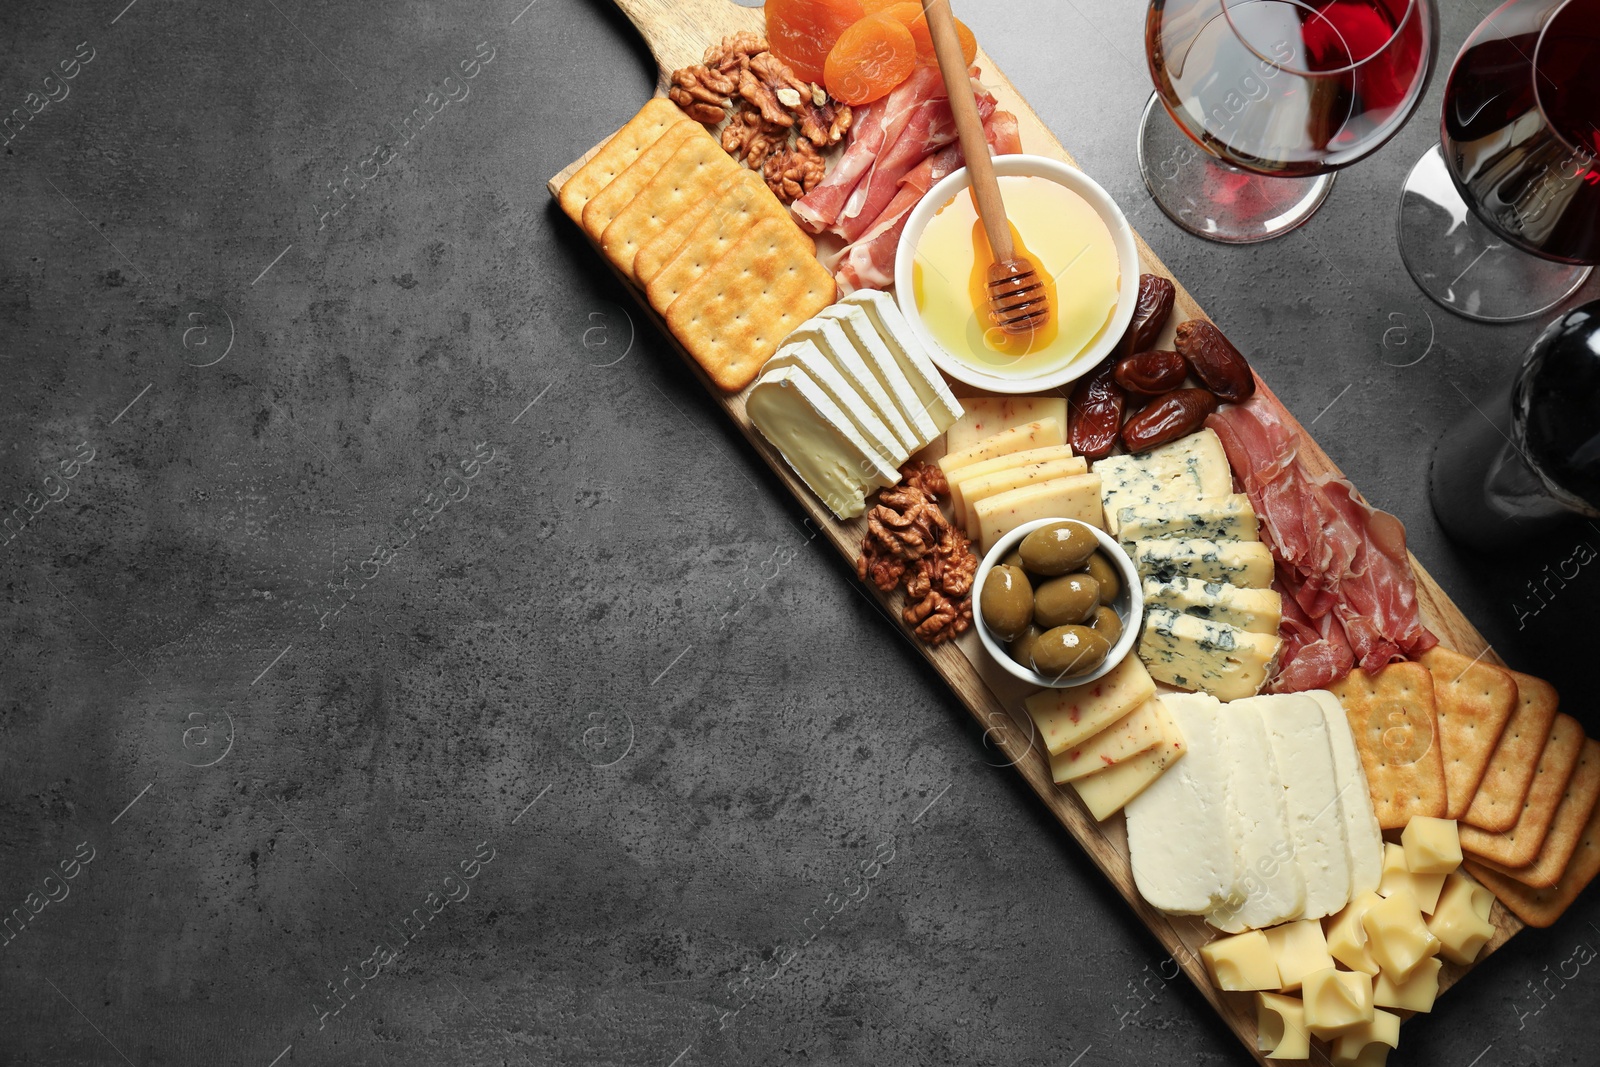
(718, 255)
(1520, 777)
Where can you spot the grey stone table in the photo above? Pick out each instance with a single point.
(405, 663)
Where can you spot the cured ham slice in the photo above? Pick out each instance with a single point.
(1349, 594)
(869, 262)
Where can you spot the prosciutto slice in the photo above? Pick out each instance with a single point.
(1350, 596)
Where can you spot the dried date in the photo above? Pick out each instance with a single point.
(1219, 366)
(1150, 313)
(1178, 414)
(1151, 373)
(1096, 411)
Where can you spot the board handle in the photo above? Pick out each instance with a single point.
(677, 30)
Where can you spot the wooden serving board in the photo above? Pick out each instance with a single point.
(678, 32)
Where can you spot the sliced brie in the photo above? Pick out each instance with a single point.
(809, 358)
(817, 440)
(940, 403)
(881, 361)
(829, 336)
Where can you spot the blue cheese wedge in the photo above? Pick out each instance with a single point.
(1247, 564)
(1270, 888)
(937, 399)
(809, 358)
(817, 440)
(1223, 518)
(1180, 841)
(886, 368)
(829, 337)
(1362, 835)
(1189, 469)
(1258, 610)
(1198, 655)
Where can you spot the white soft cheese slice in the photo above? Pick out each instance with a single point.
(809, 358)
(880, 360)
(1298, 732)
(1179, 833)
(817, 440)
(1270, 888)
(941, 403)
(829, 336)
(1362, 833)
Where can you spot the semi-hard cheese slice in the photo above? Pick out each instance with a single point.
(1298, 733)
(829, 336)
(1270, 889)
(984, 486)
(1300, 948)
(809, 358)
(1179, 839)
(1258, 610)
(1194, 654)
(958, 477)
(1064, 717)
(1190, 468)
(1281, 1032)
(1105, 792)
(817, 440)
(988, 415)
(1041, 434)
(1362, 834)
(1223, 518)
(1247, 564)
(1073, 497)
(1138, 731)
(940, 403)
(885, 368)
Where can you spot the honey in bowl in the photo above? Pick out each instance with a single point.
(1072, 251)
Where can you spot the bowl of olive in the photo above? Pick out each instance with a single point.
(1058, 603)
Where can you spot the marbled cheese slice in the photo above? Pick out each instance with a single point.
(1194, 654)
(1247, 564)
(1190, 468)
(1223, 518)
(1258, 610)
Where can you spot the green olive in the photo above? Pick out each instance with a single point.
(1107, 623)
(1062, 601)
(1006, 602)
(1014, 559)
(1021, 649)
(1102, 570)
(1068, 651)
(1058, 548)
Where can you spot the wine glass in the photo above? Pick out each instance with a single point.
(1277, 95)
(1516, 171)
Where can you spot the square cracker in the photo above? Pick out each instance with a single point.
(746, 203)
(1396, 727)
(1577, 804)
(1498, 802)
(637, 134)
(1475, 700)
(690, 175)
(660, 249)
(1518, 846)
(732, 317)
(608, 202)
(1542, 907)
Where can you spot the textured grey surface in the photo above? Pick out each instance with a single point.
(732, 819)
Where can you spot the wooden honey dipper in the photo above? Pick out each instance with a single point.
(1018, 303)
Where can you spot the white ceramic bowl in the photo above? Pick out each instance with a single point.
(1121, 236)
(1129, 606)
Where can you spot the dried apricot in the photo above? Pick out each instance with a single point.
(925, 56)
(869, 59)
(802, 32)
(899, 10)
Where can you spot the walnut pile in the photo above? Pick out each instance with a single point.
(764, 104)
(910, 540)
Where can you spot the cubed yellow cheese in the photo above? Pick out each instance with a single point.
(1299, 948)
(1347, 941)
(1037, 434)
(1396, 935)
(1241, 962)
(1424, 888)
(1105, 792)
(1073, 497)
(1482, 899)
(1138, 731)
(1416, 993)
(1383, 1031)
(1374, 1055)
(986, 416)
(1281, 1027)
(1336, 1002)
(958, 476)
(1432, 846)
(1462, 931)
(1064, 717)
(983, 486)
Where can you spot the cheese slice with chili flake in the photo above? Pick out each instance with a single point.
(1138, 731)
(1105, 792)
(1065, 717)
